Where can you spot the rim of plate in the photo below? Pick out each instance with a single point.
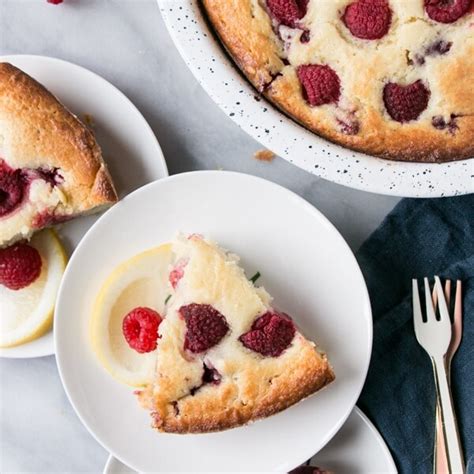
(380, 439)
(44, 345)
(310, 208)
(112, 465)
(226, 85)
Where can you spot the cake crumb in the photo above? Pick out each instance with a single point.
(264, 155)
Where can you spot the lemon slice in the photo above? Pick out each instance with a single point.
(27, 314)
(140, 281)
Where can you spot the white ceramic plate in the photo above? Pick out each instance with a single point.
(227, 87)
(129, 145)
(357, 448)
(305, 263)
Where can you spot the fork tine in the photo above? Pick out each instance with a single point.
(458, 305)
(447, 294)
(417, 316)
(447, 291)
(443, 308)
(430, 314)
(434, 297)
(457, 324)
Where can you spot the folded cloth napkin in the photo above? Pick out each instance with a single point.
(420, 237)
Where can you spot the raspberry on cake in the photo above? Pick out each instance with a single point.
(51, 167)
(445, 11)
(377, 76)
(368, 19)
(405, 103)
(288, 12)
(321, 85)
(205, 327)
(270, 334)
(225, 356)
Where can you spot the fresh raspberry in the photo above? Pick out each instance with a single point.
(12, 188)
(405, 103)
(270, 334)
(447, 11)
(368, 19)
(20, 266)
(288, 12)
(55, 2)
(140, 329)
(321, 84)
(177, 273)
(205, 327)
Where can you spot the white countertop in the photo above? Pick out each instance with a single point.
(126, 42)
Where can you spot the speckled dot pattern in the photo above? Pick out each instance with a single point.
(218, 75)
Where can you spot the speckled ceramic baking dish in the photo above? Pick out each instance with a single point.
(222, 80)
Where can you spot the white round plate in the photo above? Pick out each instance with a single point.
(130, 147)
(357, 448)
(239, 100)
(114, 466)
(304, 263)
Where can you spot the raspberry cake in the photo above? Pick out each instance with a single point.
(391, 78)
(51, 167)
(225, 356)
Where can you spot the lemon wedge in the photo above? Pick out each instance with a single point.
(27, 314)
(140, 281)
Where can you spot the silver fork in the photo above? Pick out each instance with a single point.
(435, 336)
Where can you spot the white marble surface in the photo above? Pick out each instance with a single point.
(126, 42)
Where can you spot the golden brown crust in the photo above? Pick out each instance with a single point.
(216, 408)
(103, 188)
(248, 35)
(38, 132)
(449, 75)
(231, 403)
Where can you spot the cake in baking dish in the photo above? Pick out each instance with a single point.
(392, 78)
(225, 356)
(51, 167)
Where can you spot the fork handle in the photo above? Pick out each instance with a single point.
(448, 419)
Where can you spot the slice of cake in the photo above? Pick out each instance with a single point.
(225, 356)
(51, 167)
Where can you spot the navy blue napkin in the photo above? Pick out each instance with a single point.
(420, 237)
